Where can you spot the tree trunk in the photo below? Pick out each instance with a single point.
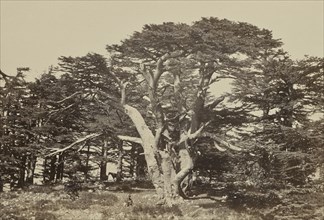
(13, 180)
(119, 173)
(167, 177)
(149, 147)
(60, 168)
(1, 184)
(140, 165)
(30, 169)
(132, 161)
(103, 163)
(52, 171)
(45, 170)
(186, 164)
(86, 168)
(22, 169)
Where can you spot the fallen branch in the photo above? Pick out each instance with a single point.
(90, 136)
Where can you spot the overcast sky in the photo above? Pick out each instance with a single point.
(34, 34)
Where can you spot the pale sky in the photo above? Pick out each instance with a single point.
(34, 33)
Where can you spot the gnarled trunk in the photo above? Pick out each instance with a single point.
(149, 147)
(186, 164)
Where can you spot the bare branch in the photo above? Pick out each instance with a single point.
(222, 142)
(90, 136)
(215, 102)
(123, 86)
(130, 139)
(146, 74)
(219, 147)
(53, 112)
(82, 146)
(5, 76)
(115, 78)
(69, 97)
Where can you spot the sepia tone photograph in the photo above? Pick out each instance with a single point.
(170, 110)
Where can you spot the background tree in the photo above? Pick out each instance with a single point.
(286, 94)
(17, 122)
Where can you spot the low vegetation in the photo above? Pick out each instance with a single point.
(105, 203)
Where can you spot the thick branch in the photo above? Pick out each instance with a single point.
(147, 75)
(138, 120)
(159, 64)
(190, 135)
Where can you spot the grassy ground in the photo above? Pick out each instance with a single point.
(46, 203)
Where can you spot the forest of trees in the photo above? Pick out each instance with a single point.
(154, 96)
